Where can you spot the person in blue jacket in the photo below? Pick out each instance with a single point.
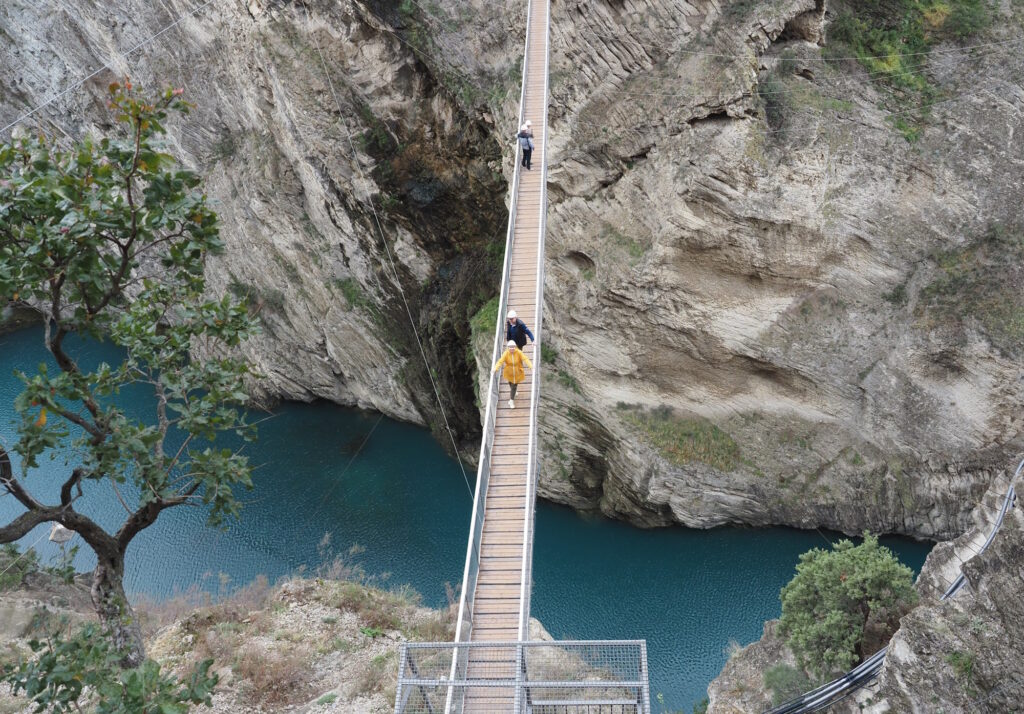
(525, 137)
(516, 329)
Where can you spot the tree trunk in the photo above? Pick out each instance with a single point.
(115, 613)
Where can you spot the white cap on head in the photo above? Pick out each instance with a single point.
(511, 314)
(511, 344)
(528, 123)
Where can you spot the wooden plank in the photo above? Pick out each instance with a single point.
(511, 518)
(502, 539)
(499, 592)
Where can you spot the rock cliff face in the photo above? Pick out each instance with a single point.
(759, 291)
(764, 303)
(339, 191)
(961, 655)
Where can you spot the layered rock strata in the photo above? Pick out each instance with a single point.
(764, 304)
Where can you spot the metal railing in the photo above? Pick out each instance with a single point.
(466, 600)
(842, 687)
(571, 677)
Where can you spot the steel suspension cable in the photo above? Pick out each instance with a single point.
(387, 248)
(99, 70)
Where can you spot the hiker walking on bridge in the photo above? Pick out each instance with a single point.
(516, 329)
(525, 137)
(515, 371)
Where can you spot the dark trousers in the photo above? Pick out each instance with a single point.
(527, 153)
(513, 388)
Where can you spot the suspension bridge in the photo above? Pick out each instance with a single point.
(493, 667)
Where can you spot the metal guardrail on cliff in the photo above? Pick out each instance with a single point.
(560, 677)
(842, 687)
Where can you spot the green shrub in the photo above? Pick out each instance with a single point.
(892, 38)
(833, 597)
(484, 320)
(82, 672)
(786, 682)
(15, 566)
(548, 354)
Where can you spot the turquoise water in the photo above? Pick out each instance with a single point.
(403, 501)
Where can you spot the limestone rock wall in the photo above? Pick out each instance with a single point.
(743, 250)
(308, 169)
(742, 295)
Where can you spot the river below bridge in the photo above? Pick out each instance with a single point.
(404, 504)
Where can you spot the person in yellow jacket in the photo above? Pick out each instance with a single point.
(513, 359)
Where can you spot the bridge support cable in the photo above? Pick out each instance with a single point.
(387, 249)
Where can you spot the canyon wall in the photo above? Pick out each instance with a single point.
(774, 294)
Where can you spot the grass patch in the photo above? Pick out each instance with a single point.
(375, 675)
(963, 665)
(256, 299)
(568, 381)
(353, 292)
(684, 440)
(484, 320)
(548, 354)
(892, 38)
(481, 324)
(632, 247)
(782, 95)
(982, 286)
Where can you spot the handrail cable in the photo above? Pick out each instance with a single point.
(951, 50)
(125, 54)
(387, 248)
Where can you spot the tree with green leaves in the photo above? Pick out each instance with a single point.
(839, 596)
(70, 667)
(107, 240)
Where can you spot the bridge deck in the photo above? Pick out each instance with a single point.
(498, 609)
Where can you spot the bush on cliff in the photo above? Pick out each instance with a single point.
(843, 602)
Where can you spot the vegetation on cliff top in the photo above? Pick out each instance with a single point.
(892, 40)
(108, 239)
(844, 604)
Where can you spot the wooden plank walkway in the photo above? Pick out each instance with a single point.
(508, 516)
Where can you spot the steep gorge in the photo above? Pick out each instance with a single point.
(759, 292)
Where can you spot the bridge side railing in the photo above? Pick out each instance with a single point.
(469, 577)
(842, 687)
(534, 452)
